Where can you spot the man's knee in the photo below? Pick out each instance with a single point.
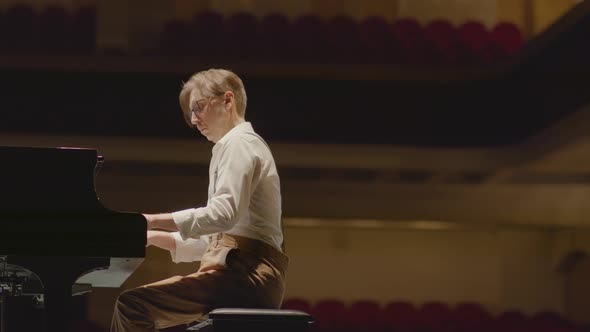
(130, 301)
(131, 312)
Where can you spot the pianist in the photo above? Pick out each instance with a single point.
(237, 236)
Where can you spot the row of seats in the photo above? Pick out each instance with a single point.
(52, 30)
(310, 38)
(334, 315)
(242, 36)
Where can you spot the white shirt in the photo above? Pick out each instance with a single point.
(244, 197)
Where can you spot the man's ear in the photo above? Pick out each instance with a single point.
(228, 99)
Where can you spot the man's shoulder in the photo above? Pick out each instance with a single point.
(249, 137)
(239, 138)
(240, 142)
(248, 142)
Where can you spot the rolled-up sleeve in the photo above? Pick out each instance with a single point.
(189, 250)
(232, 190)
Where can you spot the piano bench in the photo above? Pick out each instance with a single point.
(259, 320)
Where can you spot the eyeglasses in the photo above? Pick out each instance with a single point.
(198, 106)
(196, 109)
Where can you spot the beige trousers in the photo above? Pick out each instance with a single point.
(235, 272)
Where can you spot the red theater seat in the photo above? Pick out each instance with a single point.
(330, 315)
(175, 38)
(208, 33)
(549, 319)
(83, 34)
(377, 42)
(511, 321)
(242, 34)
(309, 39)
(297, 304)
(343, 40)
(400, 316)
(54, 30)
(435, 316)
(471, 316)
(442, 36)
(19, 29)
(275, 34)
(507, 39)
(411, 38)
(476, 43)
(365, 316)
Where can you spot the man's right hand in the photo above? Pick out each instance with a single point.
(149, 220)
(160, 221)
(161, 239)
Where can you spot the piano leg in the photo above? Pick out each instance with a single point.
(57, 299)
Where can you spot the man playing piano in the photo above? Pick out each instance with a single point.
(237, 236)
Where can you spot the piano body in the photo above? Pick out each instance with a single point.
(53, 225)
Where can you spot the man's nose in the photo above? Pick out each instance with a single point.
(194, 118)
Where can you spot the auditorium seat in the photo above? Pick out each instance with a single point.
(83, 32)
(507, 39)
(378, 44)
(411, 38)
(207, 35)
(54, 30)
(475, 43)
(400, 316)
(549, 319)
(469, 316)
(296, 303)
(175, 38)
(511, 320)
(435, 316)
(19, 25)
(330, 316)
(333, 315)
(242, 34)
(442, 36)
(309, 39)
(365, 315)
(343, 40)
(275, 31)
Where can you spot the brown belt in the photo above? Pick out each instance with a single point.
(251, 246)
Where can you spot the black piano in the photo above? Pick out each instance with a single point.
(54, 228)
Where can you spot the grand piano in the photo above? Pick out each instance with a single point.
(54, 228)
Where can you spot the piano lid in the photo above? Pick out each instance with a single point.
(47, 179)
(48, 206)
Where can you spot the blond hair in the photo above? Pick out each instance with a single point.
(213, 82)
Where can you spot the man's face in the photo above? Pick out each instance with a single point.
(208, 114)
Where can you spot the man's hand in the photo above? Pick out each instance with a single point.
(161, 239)
(160, 221)
(149, 219)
